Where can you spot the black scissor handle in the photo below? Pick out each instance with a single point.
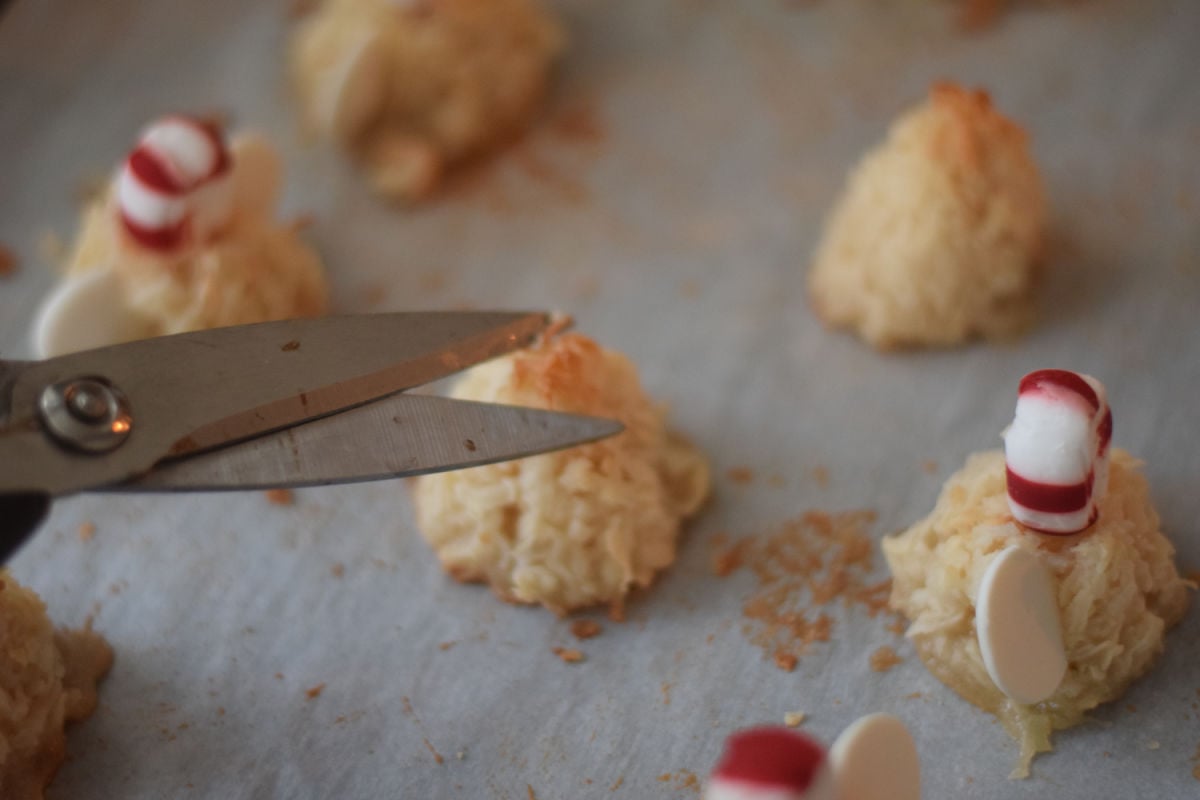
(20, 515)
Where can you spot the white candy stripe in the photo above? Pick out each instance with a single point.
(147, 207)
(183, 148)
(1048, 441)
(1051, 522)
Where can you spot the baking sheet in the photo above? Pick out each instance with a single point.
(670, 201)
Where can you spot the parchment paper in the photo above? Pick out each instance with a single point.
(671, 201)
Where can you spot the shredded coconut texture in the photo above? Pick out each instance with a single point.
(254, 270)
(47, 678)
(938, 235)
(411, 87)
(1118, 592)
(578, 527)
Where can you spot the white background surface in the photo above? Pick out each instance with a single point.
(681, 238)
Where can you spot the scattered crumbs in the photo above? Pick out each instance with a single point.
(280, 497)
(776, 481)
(436, 755)
(532, 793)
(914, 696)
(617, 784)
(820, 476)
(444, 646)
(929, 467)
(786, 661)
(740, 475)
(1153, 744)
(86, 531)
(1106, 754)
(278, 676)
(802, 565)
(897, 626)
(8, 262)
(665, 688)
(884, 659)
(470, 445)
(970, 779)
(220, 711)
(290, 347)
(709, 639)
(314, 692)
(793, 718)
(1196, 763)
(586, 628)
(568, 655)
(684, 779)
(338, 569)
(666, 776)
(460, 755)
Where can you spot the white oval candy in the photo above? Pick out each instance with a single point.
(1019, 628)
(876, 759)
(84, 312)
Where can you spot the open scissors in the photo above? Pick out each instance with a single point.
(277, 404)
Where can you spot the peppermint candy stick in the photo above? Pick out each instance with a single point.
(174, 188)
(1056, 451)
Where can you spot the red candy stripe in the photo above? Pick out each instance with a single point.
(1061, 379)
(1050, 498)
(771, 756)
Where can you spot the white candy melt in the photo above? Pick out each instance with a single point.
(1019, 628)
(84, 312)
(876, 759)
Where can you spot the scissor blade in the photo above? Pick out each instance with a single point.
(391, 438)
(196, 391)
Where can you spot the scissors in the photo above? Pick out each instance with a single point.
(269, 405)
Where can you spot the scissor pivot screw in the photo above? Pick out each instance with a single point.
(89, 414)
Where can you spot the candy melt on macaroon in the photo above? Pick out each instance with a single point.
(873, 759)
(184, 238)
(1095, 594)
(410, 87)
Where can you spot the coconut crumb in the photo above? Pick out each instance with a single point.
(87, 530)
(793, 719)
(586, 629)
(8, 262)
(884, 659)
(280, 497)
(314, 692)
(740, 475)
(568, 655)
(338, 569)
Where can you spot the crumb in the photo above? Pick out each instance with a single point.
(280, 497)
(460, 755)
(444, 646)
(897, 626)
(740, 475)
(568, 655)
(314, 692)
(586, 628)
(793, 718)
(913, 696)
(436, 755)
(820, 476)
(338, 569)
(929, 467)
(8, 262)
(617, 784)
(532, 793)
(884, 659)
(86, 531)
(786, 661)
(665, 688)
(290, 347)
(220, 711)
(278, 676)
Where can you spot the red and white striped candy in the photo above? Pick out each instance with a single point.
(1056, 451)
(174, 187)
(771, 763)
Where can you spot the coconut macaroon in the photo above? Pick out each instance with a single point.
(937, 236)
(410, 87)
(574, 528)
(47, 678)
(1116, 585)
(184, 238)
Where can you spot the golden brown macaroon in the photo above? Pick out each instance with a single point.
(1118, 593)
(578, 527)
(937, 237)
(47, 678)
(412, 87)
